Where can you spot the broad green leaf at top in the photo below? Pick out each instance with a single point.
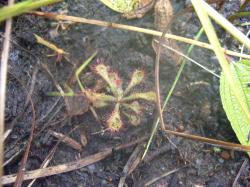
(234, 96)
(239, 121)
(122, 6)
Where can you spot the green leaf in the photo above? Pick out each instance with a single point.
(133, 119)
(69, 90)
(82, 67)
(148, 96)
(134, 106)
(114, 122)
(240, 123)
(121, 6)
(23, 7)
(68, 94)
(98, 100)
(137, 78)
(117, 82)
(111, 78)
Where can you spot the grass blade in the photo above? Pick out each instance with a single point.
(156, 122)
(201, 11)
(82, 67)
(25, 6)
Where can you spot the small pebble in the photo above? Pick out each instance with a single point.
(91, 168)
(221, 160)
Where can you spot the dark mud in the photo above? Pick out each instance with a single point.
(194, 108)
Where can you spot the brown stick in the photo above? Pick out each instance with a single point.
(28, 100)
(210, 141)
(67, 140)
(19, 178)
(157, 68)
(220, 143)
(151, 156)
(134, 29)
(243, 166)
(132, 163)
(71, 166)
(46, 162)
(3, 82)
(50, 156)
(161, 176)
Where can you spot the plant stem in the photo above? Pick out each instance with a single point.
(201, 9)
(82, 67)
(156, 123)
(135, 29)
(3, 82)
(238, 15)
(229, 27)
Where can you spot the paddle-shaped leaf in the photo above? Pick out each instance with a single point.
(134, 120)
(98, 100)
(114, 121)
(116, 82)
(134, 106)
(103, 71)
(137, 78)
(148, 96)
(238, 119)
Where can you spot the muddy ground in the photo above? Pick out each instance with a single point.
(194, 108)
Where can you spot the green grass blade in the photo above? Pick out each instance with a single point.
(82, 67)
(218, 18)
(68, 94)
(213, 39)
(22, 7)
(226, 66)
(156, 122)
(238, 15)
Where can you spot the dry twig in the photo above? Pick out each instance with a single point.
(220, 143)
(161, 176)
(243, 166)
(157, 77)
(50, 156)
(71, 166)
(3, 81)
(151, 156)
(19, 178)
(28, 100)
(133, 28)
(45, 162)
(67, 140)
(132, 163)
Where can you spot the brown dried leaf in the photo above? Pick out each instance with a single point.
(67, 140)
(76, 105)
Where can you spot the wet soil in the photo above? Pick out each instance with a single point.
(194, 108)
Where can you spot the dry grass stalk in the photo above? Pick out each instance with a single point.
(134, 29)
(67, 140)
(71, 166)
(3, 82)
